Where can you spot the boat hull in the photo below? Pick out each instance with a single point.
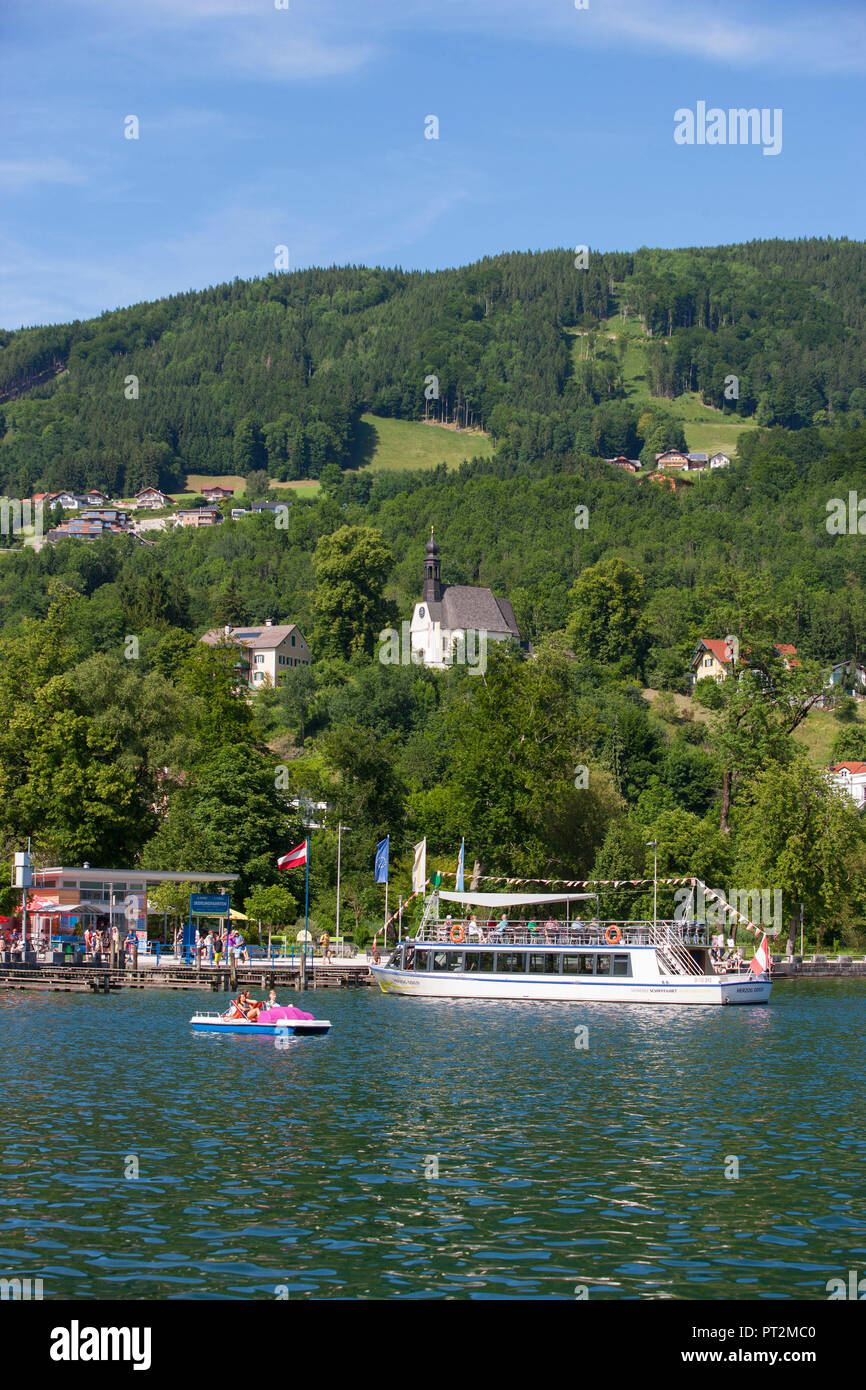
(205, 1023)
(687, 989)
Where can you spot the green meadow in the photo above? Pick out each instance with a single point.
(395, 444)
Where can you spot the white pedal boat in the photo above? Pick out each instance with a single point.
(218, 1023)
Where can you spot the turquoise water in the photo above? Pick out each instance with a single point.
(300, 1172)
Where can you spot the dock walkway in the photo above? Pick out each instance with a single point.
(101, 979)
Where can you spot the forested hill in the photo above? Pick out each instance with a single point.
(276, 372)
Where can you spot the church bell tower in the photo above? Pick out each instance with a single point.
(432, 583)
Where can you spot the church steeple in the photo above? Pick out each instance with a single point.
(432, 582)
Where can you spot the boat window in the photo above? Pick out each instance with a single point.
(511, 962)
(621, 965)
(602, 965)
(543, 964)
(585, 965)
(485, 961)
(570, 964)
(447, 960)
(471, 960)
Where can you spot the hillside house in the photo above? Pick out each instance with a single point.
(848, 676)
(850, 777)
(698, 461)
(217, 494)
(268, 651)
(670, 480)
(630, 465)
(201, 516)
(713, 659)
(672, 458)
(719, 460)
(151, 499)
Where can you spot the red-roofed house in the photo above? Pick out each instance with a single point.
(851, 778)
(630, 465)
(713, 659)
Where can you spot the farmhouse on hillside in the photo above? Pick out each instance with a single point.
(267, 651)
(714, 660)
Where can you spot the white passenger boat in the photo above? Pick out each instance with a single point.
(501, 957)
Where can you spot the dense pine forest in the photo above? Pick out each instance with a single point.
(147, 752)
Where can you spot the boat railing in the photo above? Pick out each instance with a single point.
(593, 932)
(672, 951)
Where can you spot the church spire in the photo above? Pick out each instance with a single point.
(432, 582)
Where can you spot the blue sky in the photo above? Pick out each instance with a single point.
(305, 127)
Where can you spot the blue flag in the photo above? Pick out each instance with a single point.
(460, 860)
(382, 860)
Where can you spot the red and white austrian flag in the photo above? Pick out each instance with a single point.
(295, 859)
(760, 962)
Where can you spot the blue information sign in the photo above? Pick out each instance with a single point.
(216, 904)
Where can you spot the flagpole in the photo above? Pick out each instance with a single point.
(385, 927)
(307, 898)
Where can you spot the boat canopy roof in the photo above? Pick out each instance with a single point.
(513, 899)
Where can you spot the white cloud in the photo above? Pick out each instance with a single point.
(325, 38)
(22, 173)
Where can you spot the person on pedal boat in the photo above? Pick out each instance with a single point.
(245, 1007)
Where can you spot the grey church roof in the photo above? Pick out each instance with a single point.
(463, 607)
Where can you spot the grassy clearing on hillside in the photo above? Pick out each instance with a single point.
(304, 487)
(396, 444)
(684, 705)
(706, 429)
(196, 481)
(818, 730)
(815, 734)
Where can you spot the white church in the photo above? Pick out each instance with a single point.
(455, 621)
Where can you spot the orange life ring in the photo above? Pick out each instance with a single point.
(457, 933)
(612, 935)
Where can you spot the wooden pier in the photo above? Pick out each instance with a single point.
(102, 979)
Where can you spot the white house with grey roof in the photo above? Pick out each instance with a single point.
(269, 651)
(455, 617)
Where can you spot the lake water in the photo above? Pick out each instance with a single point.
(268, 1172)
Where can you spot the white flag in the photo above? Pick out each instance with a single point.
(419, 868)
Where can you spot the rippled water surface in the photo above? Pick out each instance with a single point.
(302, 1171)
